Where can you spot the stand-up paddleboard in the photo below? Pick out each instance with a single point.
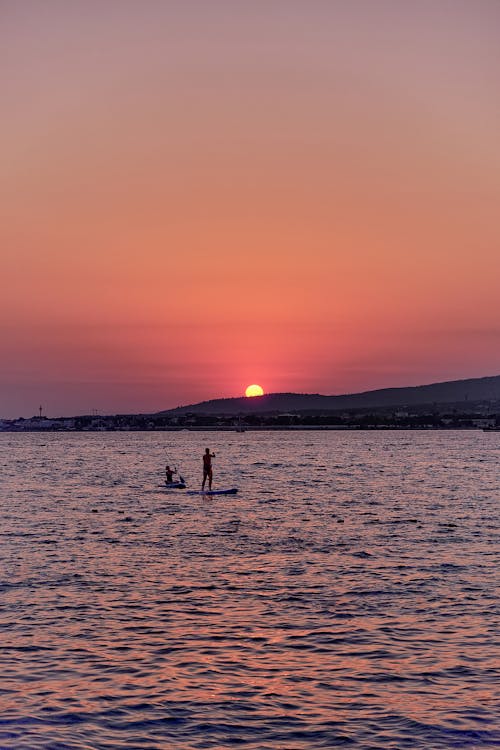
(231, 491)
(175, 485)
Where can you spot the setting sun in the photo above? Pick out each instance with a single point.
(254, 390)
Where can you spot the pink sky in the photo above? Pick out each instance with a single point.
(197, 196)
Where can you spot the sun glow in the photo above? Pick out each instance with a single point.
(254, 390)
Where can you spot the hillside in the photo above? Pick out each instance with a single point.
(454, 391)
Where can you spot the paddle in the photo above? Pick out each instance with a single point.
(181, 478)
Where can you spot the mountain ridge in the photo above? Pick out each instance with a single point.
(450, 391)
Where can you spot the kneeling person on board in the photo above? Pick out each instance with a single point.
(169, 473)
(207, 468)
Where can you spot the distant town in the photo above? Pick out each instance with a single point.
(470, 416)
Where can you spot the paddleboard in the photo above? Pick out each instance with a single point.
(231, 491)
(175, 485)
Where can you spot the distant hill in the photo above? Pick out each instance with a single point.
(454, 391)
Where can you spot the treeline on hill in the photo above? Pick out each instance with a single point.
(369, 419)
(437, 416)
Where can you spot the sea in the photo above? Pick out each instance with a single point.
(347, 596)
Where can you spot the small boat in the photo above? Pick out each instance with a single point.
(238, 427)
(175, 485)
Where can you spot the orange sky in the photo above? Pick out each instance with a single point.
(198, 196)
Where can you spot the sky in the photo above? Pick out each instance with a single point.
(196, 196)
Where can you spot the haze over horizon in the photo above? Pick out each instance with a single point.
(197, 197)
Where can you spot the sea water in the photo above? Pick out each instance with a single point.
(346, 596)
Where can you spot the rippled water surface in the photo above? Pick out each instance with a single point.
(346, 596)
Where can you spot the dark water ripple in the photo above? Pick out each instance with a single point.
(347, 597)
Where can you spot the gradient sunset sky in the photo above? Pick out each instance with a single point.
(200, 195)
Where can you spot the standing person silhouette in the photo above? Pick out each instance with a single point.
(207, 469)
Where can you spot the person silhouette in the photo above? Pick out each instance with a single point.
(207, 469)
(169, 474)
